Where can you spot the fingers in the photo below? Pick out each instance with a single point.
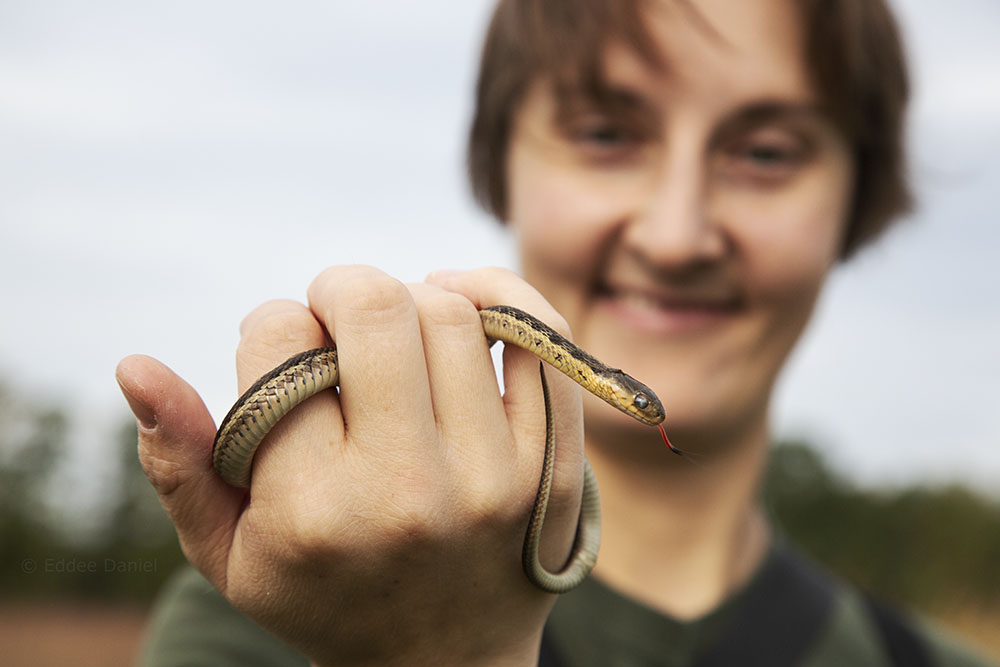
(464, 390)
(366, 490)
(495, 286)
(269, 335)
(175, 449)
(523, 397)
(417, 395)
(384, 388)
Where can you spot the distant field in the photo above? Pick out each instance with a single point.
(55, 635)
(47, 635)
(981, 628)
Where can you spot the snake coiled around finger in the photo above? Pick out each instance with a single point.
(279, 390)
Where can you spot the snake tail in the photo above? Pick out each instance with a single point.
(583, 555)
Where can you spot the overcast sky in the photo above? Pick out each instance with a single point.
(167, 166)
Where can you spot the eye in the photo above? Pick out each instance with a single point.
(605, 142)
(606, 138)
(766, 156)
(601, 134)
(640, 401)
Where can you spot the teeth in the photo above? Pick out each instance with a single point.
(642, 301)
(646, 301)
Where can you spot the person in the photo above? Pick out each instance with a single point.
(681, 177)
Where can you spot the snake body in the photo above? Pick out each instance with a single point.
(308, 373)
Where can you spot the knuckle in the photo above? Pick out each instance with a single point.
(372, 294)
(325, 287)
(407, 529)
(499, 272)
(244, 590)
(308, 535)
(384, 524)
(495, 507)
(407, 511)
(266, 309)
(332, 276)
(491, 499)
(448, 309)
(528, 298)
(497, 275)
(242, 594)
(278, 330)
(164, 475)
(283, 325)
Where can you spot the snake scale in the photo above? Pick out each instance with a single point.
(308, 373)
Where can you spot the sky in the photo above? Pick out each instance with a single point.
(165, 167)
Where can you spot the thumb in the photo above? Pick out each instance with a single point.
(176, 433)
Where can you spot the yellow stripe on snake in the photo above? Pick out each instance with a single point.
(308, 373)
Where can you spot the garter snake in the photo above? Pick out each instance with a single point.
(308, 373)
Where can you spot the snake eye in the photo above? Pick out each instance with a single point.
(640, 401)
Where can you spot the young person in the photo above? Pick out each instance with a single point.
(681, 178)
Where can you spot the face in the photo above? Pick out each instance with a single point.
(685, 222)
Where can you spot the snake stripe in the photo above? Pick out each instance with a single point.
(616, 387)
(261, 406)
(306, 374)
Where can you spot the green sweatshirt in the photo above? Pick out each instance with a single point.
(594, 626)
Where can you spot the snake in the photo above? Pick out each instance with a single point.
(279, 390)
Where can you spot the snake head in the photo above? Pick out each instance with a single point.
(635, 399)
(646, 407)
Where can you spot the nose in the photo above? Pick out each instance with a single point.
(672, 224)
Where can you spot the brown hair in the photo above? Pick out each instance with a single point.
(854, 55)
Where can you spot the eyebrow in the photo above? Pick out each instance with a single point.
(767, 112)
(619, 101)
(599, 94)
(623, 99)
(771, 111)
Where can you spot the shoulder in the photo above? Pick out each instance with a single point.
(864, 631)
(192, 624)
(948, 651)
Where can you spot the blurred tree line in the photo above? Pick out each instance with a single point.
(920, 546)
(123, 554)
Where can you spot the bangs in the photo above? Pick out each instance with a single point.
(563, 41)
(566, 41)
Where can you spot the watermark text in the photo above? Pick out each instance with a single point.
(88, 565)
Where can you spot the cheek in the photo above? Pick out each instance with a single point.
(796, 259)
(792, 244)
(562, 221)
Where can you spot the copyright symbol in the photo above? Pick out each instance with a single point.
(28, 565)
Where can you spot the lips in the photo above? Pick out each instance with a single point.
(668, 310)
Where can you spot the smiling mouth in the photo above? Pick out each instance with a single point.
(669, 310)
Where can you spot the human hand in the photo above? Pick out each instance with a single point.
(384, 523)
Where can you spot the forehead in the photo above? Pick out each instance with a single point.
(707, 48)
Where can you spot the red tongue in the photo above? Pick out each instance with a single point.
(667, 440)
